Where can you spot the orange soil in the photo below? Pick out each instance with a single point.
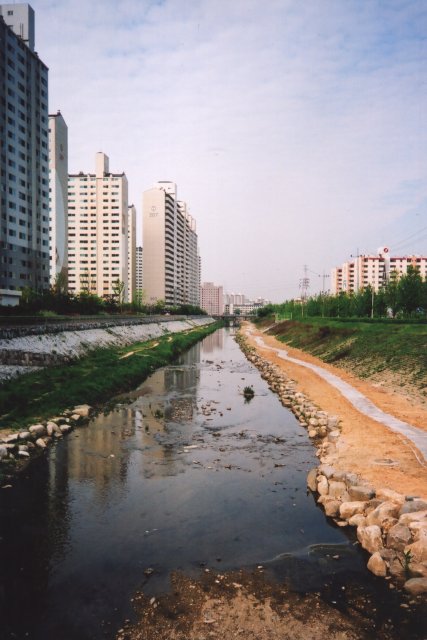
(364, 444)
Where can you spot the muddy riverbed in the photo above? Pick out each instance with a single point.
(180, 484)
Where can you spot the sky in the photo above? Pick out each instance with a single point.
(296, 130)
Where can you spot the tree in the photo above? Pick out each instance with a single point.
(119, 291)
(410, 291)
(139, 298)
(391, 296)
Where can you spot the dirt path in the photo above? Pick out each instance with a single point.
(366, 447)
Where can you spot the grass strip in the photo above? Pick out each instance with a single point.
(93, 379)
(365, 348)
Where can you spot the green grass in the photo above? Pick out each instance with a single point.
(93, 379)
(367, 348)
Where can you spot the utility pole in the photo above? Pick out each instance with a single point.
(304, 284)
(356, 269)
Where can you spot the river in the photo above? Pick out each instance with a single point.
(184, 474)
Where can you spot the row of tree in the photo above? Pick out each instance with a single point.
(57, 301)
(404, 296)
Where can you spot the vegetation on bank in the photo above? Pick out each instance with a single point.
(93, 379)
(365, 348)
(57, 301)
(401, 297)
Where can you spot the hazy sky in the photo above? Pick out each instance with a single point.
(296, 130)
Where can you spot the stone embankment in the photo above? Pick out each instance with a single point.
(21, 445)
(19, 353)
(391, 527)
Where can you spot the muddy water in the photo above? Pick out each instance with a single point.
(187, 475)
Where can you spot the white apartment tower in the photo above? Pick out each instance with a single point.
(24, 161)
(97, 230)
(170, 257)
(58, 198)
(131, 252)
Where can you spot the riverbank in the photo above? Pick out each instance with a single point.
(389, 355)
(40, 406)
(25, 348)
(370, 477)
(363, 441)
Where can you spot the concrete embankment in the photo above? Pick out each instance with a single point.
(21, 350)
(391, 527)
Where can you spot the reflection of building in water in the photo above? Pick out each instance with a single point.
(99, 455)
(213, 341)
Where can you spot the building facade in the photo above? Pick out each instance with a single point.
(170, 258)
(373, 271)
(24, 161)
(212, 299)
(58, 200)
(131, 232)
(98, 230)
(139, 272)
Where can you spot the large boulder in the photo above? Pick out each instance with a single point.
(387, 495)
(416, 528)
(370, 538)
(361, 492)
(398, 537)
(358, 520)
(413, 505)
(418, 549)
(418, 569)
(383, 513)
(83, 410)
(415, 586)
(332, 507)
(337, 489)
(349, 509)
(415, 516)
(37, 430)
(11, 438)
(312, 479)
(377, 565)
(322, 485)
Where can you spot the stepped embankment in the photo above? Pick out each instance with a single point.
(23, 349)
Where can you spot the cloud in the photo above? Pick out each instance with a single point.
(295, 131)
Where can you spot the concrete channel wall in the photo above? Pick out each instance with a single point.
(59, 343)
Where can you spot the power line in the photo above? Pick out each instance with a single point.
(415, 235)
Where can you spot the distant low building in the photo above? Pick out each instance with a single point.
(373, 271)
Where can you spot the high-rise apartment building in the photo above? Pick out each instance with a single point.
(97, 230)
(139, 276)
(58, 199)
(212, 299)
(373, 271)
(24, 162)
(170, 258)
(131, 253)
